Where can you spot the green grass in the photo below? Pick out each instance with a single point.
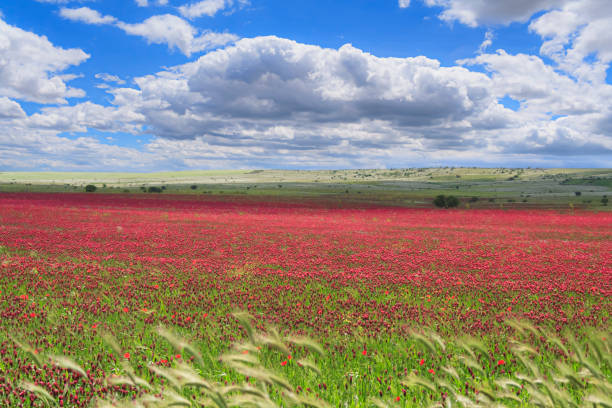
(264, 368)
(522, 188)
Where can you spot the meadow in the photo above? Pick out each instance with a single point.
(402, 306)
(408, 187)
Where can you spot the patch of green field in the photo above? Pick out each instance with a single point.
(476, 187)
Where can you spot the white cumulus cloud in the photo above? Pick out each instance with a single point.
(31, 66)
(176, 33)
(404, 3)
(86, 115)
(576, 31)
(86, 15)
(205, 7)
(573, 30)
(167, 29)
(242, 92)
(208, 7)
(10, 109)
(272, 100)
(478, 12)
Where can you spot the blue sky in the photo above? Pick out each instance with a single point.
(145, 85)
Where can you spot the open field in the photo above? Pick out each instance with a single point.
(358, 279)
(478, 187)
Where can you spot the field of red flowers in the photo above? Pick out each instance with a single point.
(356, 279)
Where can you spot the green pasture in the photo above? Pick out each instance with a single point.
(476, 187)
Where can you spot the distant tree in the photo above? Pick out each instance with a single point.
(154, 189)
(440, 201)
(90, 188)
(452, 201)
(578, 193)
(443, 201)
(604, 200)
(193, 187)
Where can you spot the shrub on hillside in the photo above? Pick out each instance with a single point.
(443, 201)
(90, 188)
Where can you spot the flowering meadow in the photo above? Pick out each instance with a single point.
(361, 281)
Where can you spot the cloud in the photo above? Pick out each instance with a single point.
(404, 3)
(556, 110)
(160, 29)
(478, 12)
(251, 91)
(84, 116)
(145, 3)
(207, 7)
(30, 67)
(486, 43)
(176, 33)
(541, 89)
(86, 15)
(109, 78)
(574, 33)
(10, 109)
(209, 40)
(269, 98)
(22, 148)
(268, 101)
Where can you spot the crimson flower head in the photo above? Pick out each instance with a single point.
(125, 310)
(284, 363)
(422, 361)
(177, 356)
(397, 398)
(501, 362)
(364, 352)
(127, 356)
(432, 371)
